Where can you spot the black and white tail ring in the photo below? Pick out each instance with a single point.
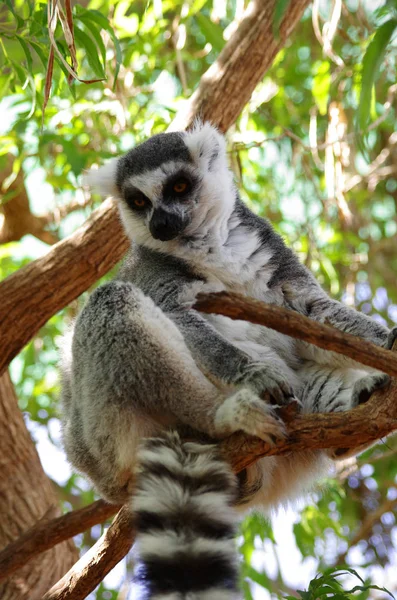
(185, 522)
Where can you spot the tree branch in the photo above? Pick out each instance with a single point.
(47, 533)
(71, 266)
(16, 218)
(27, 296)
(237, 306)
(93, 566)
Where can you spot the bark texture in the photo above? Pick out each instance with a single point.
(85, 575)
(228, 84)
(36, 292)
(26, 496)
(16, 218)
(46, 534)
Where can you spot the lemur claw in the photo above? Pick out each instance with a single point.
(363, 388)
(392, 337)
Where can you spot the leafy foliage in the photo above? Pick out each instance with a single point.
(328, 585)
(299, 162)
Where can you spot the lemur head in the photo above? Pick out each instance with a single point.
(174, 186)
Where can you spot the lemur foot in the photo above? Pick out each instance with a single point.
(363, 388)
(246, 411)
(391, 338)
(266, 380)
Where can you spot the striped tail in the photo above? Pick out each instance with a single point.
(185, 521)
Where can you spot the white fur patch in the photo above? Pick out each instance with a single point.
(247, 412)
(168, 543)
(211, 594)
(103, 180)
(205, 143)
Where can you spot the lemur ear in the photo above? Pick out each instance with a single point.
(206, 145)
(103, 180)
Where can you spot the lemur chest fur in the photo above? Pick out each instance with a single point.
(239, 264)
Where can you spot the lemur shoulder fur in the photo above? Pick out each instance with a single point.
(144, 369)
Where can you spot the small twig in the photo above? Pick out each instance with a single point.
(379, 457)
(237, 306)
(47, 533)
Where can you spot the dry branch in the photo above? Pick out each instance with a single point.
(36, 292)
(47, 533)
(90, 570)
(237, 306)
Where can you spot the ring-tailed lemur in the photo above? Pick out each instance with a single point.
(144, 362)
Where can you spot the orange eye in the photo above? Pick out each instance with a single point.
(139, 202)
(180, 187)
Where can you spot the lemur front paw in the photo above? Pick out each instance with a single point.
(266, 380)
(245, 411)
(363, 388)
(391, 338)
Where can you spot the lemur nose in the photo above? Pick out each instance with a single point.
(165, 226)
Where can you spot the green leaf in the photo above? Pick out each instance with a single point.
(196, 7)
(19, 20)
(260, 578)
(76, 160)
(37, 48)
(96, 35)
(279, 12)
(100, 19)
(371, 64)
(22, 75)
(26, 52)
(5, 81)
(212, 31)
(86, 42)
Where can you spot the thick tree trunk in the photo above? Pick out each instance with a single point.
(26, 495)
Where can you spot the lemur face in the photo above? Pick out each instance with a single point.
(160, 185)
(168, 186)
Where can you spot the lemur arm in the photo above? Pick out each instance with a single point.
(214, 353)
(221, 359)
(314, 303)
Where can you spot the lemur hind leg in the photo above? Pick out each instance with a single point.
(326, 389)
(129, 364)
